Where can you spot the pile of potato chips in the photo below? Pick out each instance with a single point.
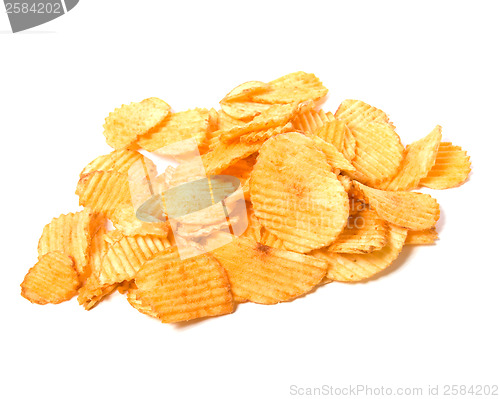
(329, 198)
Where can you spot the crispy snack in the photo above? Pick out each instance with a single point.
(422, 237)
(379, 152)
(244, 110)
(333, 156)
(415, 211)
(124, 258)
(268, 275)
(295, 195)
(71, 234)
(274, 116)
(116, 161)
(53, 279)
(260, 135)
(339, 135)
(104, 192)
(355, 113)
(245, 91)
(294, 87)
(450, 170)
(177, 127)
(226, 154)
(357, 267)
(271, 240)
(310, 120)
(137, 303)
(124, 218)
(365, 232)
(242, 168)
(418, 159)
(180, 290)
(125, 124)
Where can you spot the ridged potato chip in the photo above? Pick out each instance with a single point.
(379, 153)
(294, 87)
(53, 279)
(260, 135)
(245, 90)
(339, 135)
(175, 128)
(124, 218)
(138, 304)
(418, 159)
(124, 258)
(422, 237)
(124, 125)
(180, 290)
(244, 110)
(355, 113)
(310, 120)
(226, 154)
(333, 156)
(415, 211)
(365, 232)
(295, 195)
(268, 275)
(116, 161)
(357, 267)
(71, 234)
(450, 170)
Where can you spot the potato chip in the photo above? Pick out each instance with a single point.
(124, 258)
(450, 170)
(103, 192)
(181, 290)
(339, 135)
(268, 275)
(277, 115)
(422, 237)
(310, 120)
(415, 211)
(333, 156)
(294, 87)
(355, 113)
(116, 161)
(245, 90)
(260, 135)
(179, 126)
(212, 131)
(365, 232)
(53, 279)
(71, 234)
(125, 124)
(244, 110)
(418, 159)
(124, 218)
(271, 240)
(379, 153)
(295, 195)
(138, 304)
(357, 267)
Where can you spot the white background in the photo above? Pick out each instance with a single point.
(434, 319)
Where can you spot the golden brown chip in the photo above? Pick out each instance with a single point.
(357, 267)
(137, 303)
(254, 228)
(418, 159)
(125, 124)
(103, 192)
(53, 279)
(245, 90)
(333, 156)
(180, 290)
(260, 135)
(244, 110)
(450, 170)
(415, 211)
(268, 275)
(295, 195)
(71, 234)
(124, 258)
(310, 120)
(124, 218)
(297, 86)
(116, 161)
(179, 126)
(339, 135)
(422, 237)
(365, 232)
(355, 113)
(379, 152)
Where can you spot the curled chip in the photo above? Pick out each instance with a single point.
(422, 237)
(357, 267)
(415, 211)
(176, 128)
(53, 279)
(116, 161)
(339, 135)
(181, 290)
(450, 170)
(71, 234)
(268, 275)
(310, 120)
(365, 232)
(137, 303)
(418, 159)
(295, 195)
(243, 110)
(355, 113)
(125, 124)
(245, 90)
(333, 156)
(379, 152)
